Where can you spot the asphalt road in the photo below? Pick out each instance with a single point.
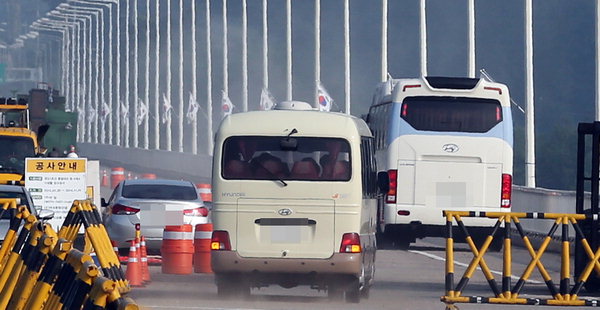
(412, 279)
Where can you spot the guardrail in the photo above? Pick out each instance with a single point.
(564, 295)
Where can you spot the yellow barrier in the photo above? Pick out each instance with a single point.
(565, 295)
(39, 269)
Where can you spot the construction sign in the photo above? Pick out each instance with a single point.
(55, 182)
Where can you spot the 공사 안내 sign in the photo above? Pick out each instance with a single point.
(54, 183)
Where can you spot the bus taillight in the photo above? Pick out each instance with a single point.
(391, 194)
(220, 241)
(498, 89)
(350, 243)
(506, 190)
(410, 86)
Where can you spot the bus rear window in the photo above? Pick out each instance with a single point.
(456, 114)
(286, 158)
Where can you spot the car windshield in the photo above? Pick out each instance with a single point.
(286, 158)
(13, 152)
(160, 191)
(24, 201)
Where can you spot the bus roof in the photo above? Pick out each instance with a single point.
(273, 122)
(395, 89)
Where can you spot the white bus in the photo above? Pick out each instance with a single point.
(447, 144)
(294, 202)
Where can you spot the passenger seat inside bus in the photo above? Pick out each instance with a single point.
(270, 168)
(237, 169)
(341, 170)
(305, 169)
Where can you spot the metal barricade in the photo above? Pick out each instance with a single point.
(563, 295)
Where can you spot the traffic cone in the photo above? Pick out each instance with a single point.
(144, 261)
(116, 250)
(134, 270)
(104, 178)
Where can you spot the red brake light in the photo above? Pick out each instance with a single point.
(391, 194)
(404, 110)
(498, 89)
(411, 86)
(220, 241)
(201, 211)
(350, 243)
(121, 210)
(506, 191)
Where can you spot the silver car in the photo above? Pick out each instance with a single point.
(15, 191)
(153, 204)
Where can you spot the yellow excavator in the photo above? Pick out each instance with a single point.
(17, 140)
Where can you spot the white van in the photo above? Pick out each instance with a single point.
(294, 202)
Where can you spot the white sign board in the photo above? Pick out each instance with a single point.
(54, 183)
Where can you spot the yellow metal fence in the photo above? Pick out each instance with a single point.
(564, 294)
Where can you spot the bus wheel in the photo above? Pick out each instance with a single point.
(352, 293)
(403, 242)
(334, 291)
(384, 241)
(403, 237)
(232, 286)
(366, 291)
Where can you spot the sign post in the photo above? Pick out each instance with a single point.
(54, 183)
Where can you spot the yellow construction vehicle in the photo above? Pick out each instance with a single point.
(17, 140)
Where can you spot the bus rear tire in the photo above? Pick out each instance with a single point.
(352, 292)
(232, 286)
(384, 241)
(402, 242)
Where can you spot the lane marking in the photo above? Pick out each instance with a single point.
(439, 258)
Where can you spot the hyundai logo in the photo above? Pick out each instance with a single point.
(450, 148)
(284, 212)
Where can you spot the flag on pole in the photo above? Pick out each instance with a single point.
(325, 101)
(267, 101)
(142, 112)
(124, 111)
(192, 109)
(80, 114)
(105, 111)
(92, 114)
(226, 104)
(167, 108)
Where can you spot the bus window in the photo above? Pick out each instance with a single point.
(262, 158)
(451, 113)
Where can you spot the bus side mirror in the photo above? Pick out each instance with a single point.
(383, 181)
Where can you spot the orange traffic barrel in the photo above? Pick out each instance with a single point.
(149, 176)
(202, 237)
(117, 174)
(104, 181)
(205, 191)
(177, 249)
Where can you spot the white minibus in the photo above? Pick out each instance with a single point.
(294, 202)
(447, 144)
